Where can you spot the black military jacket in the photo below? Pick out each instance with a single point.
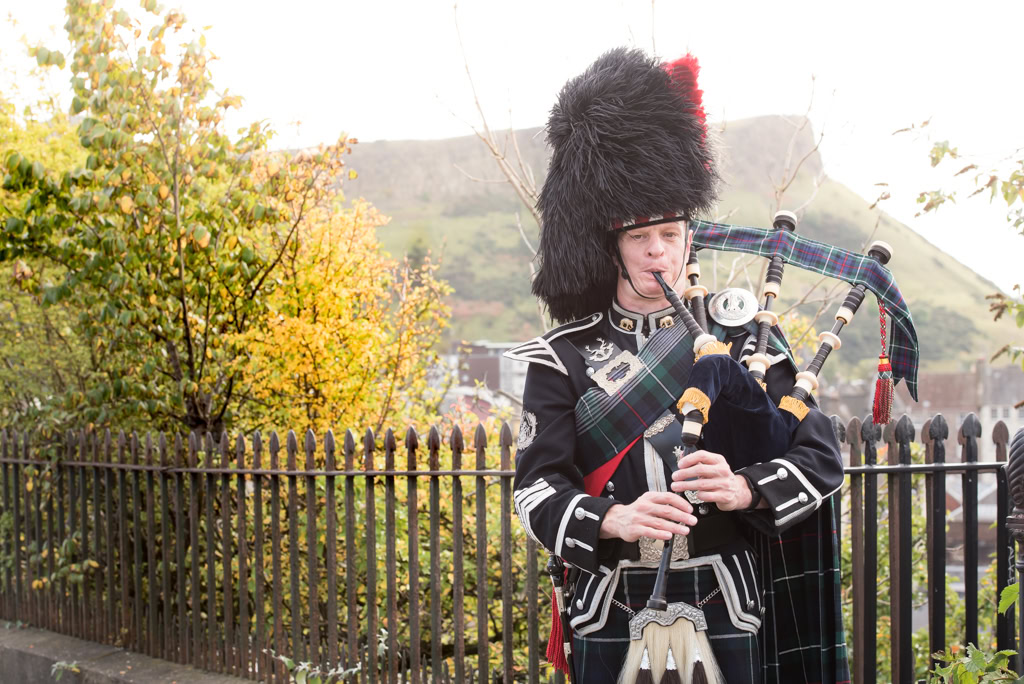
(549, 492)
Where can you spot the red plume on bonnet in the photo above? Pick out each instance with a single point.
(683, 73)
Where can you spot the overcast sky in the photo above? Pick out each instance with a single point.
(389, 69)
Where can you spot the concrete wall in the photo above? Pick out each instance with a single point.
(27, 656)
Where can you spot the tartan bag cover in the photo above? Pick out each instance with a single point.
(836, 262)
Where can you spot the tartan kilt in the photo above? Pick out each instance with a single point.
(598, 656)
(802, 637)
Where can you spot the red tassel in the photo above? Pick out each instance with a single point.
(556, 642)
(881, 410)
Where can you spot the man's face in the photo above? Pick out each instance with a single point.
(655, 248)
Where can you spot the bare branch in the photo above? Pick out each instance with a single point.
(475, 179)
(526, 240)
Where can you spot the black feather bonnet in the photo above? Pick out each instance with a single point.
(629, 140)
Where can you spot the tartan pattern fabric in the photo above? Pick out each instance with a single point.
(801, 636)
(608, 423)
(829, 260)
(599, 658)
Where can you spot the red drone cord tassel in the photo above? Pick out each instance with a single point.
(881, 409)
(556, 641)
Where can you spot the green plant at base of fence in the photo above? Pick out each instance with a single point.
(61, 666)
(973, 666)
(305, 673)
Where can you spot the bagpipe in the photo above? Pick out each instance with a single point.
(668, 640)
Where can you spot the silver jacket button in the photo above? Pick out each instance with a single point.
(580, 514)
(803, 497)
(570, 542)
(610, 486)
(750, 605)
(579, 604)
(782, 473)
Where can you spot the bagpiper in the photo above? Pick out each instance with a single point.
(602, 479)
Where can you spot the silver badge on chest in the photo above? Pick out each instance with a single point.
(733, 307)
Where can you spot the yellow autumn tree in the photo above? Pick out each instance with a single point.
(350, 343)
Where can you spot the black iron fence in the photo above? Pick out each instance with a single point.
(248, 558)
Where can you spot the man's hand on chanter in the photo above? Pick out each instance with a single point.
(657, 515)
(709, 475)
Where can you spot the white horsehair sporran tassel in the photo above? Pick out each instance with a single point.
(671, 646)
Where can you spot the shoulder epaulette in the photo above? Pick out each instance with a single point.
(539, 350)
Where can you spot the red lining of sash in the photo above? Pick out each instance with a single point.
(595, 481)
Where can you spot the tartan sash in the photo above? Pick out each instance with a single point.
(607, 424)
(836, 262)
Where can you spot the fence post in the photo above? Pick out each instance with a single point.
(331, 530)
(391, 554)
(412, 496)
(506, 553)
(870, 434)
(371, 560)
(934, 435)
(898, 435)
(458, 556)
(352, 607)
(434, 465)
(309, 482)
(482, 593)
(967, 437)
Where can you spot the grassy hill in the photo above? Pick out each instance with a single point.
(428, 189)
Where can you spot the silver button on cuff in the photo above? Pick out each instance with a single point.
(610, 486)
(750, 605)
(579, 604)
(570, 542)
(580, 514)
(782, 473)
(803, 497)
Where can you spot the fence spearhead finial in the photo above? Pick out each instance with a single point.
(869, 432)
(390, 444)
(1000, 433)
(505, 439)
(412, 440)
(905, 429)
(971, 427)
(433, 438)
(939, 428)
(853, 432)
(310, 442)
(455, 442)
(838, 429)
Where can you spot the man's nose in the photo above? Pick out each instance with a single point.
(655, 247)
